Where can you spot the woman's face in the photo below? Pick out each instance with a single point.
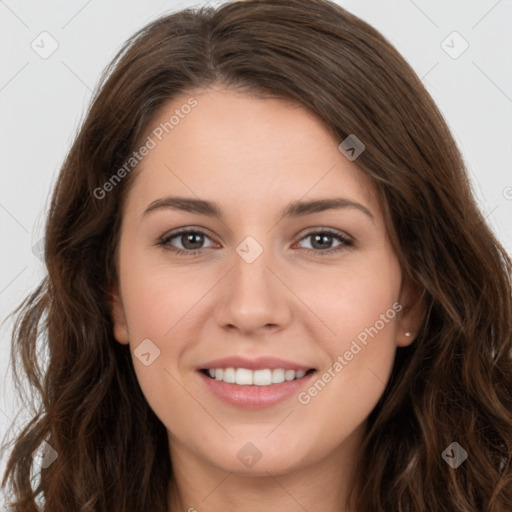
(277, 282)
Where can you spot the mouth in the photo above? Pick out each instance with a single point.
(254, 383)
(261, 388)
(261, 377)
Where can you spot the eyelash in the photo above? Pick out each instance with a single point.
(345, 242)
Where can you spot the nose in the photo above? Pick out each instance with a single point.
(254, 297)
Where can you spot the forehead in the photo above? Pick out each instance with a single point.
(244, 149)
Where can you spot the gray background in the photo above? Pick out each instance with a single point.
(42, 101)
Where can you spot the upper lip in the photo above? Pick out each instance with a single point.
(259, 363)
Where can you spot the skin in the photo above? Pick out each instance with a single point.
(253, 156)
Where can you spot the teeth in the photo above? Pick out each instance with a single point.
(245, 377)
(262, 377)
(228, 375)
(277, 375)
(289, 374)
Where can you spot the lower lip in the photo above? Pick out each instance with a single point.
(255, 397)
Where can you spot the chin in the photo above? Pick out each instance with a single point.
(257, 455)
(274, 465)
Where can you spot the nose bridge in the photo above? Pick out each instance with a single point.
(251, 279)
(254, 296)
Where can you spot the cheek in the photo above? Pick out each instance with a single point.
(159, 319)
(157, 296)
(353, 297)
(360, 306)
(157, 313)
(361, 359)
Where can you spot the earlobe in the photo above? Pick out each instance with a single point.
(407, 338)
(119, 324)
(411, 315)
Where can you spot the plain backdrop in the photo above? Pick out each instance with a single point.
(43, 98)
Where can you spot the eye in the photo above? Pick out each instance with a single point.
(192, 242)
(321, 240)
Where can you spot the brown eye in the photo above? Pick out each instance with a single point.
(321, 242)
(191, 241)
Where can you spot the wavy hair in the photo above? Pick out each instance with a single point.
(453, 384)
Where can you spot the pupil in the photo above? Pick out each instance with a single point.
(190, 238)
(322, 237)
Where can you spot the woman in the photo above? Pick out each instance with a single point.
(201, 357)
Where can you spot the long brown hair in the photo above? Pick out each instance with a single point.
(453, 384)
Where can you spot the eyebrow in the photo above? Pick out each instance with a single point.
(293, 209)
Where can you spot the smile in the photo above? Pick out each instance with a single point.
(239, 387)
(247, 377)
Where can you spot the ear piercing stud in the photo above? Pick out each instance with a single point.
(409, 332)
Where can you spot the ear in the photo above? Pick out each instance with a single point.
(411, 315)
(118, 315)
